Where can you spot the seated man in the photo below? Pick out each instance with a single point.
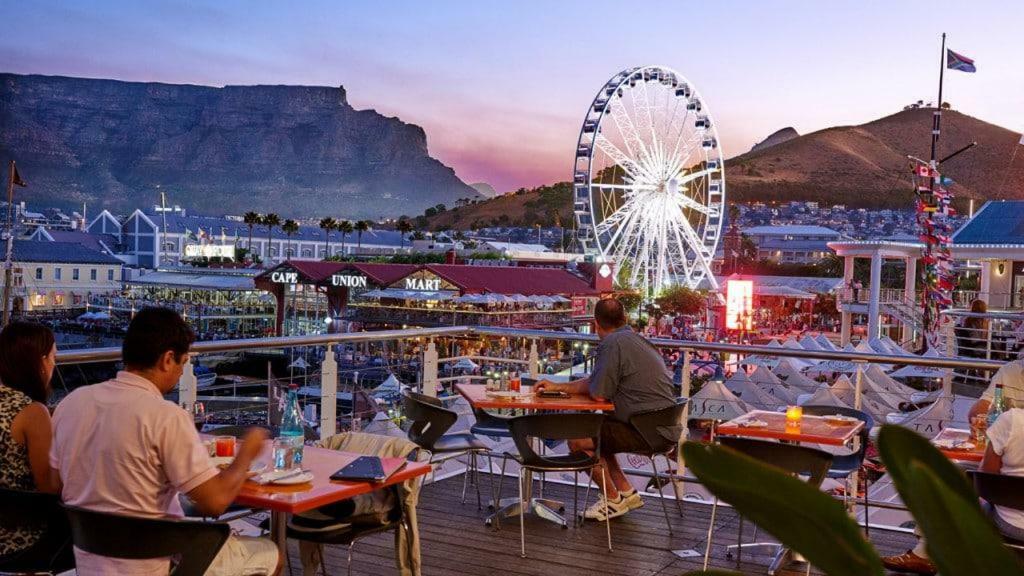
(1011, 376)
(631, 374)
(120, 447)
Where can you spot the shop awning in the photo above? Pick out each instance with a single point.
(420, 295)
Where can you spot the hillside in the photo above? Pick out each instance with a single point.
(867, 166)
(777, 137)
(545, 205)
(295, 150)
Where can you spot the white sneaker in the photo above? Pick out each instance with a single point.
(606, 509)
(633, 499)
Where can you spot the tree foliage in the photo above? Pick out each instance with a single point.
(681, 300)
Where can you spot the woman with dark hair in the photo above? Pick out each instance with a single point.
(28, 355)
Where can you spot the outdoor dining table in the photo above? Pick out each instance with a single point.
(950, 442)
(811, 429)
(478, 397)
(282, 500)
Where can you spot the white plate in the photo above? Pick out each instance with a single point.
(753, 424)
(297, 479)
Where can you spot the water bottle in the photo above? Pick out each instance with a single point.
(998, 405)
(290, 440)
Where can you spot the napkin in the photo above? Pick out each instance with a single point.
(275, 475)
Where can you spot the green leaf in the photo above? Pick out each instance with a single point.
(898, 446)
(800, 516)
(961, 541)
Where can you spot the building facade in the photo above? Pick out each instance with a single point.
(54, 277)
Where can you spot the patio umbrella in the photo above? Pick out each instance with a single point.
(299, 363)
(770, 383)
(746, 390)
(930, 420)
(832, 367)
(809, 343)
(825, 343)
(716, 402)
(845, 390)
(789, 373)
(912, 371)
(824, 396)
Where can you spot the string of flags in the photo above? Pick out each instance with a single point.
(936, 236)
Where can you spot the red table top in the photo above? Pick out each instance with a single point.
(974, 455)
(321, 490)
(812, 429)
(477, 396)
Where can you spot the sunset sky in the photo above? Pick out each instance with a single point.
(501, 88)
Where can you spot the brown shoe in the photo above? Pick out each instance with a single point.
(909, 562)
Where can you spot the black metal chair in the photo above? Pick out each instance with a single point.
(332, 532)
(133, 538)
(1001, 490)
(27, 509)
(558, 426)
(790, 458)
(660, 431)
(487, 424)
(429, 421)
(845, 465)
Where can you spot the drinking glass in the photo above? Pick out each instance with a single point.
(225, 446)
(199, 415)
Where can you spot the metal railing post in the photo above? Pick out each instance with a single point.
(329, 395)
(684, 392)
(187, 386)
(858, 389)
(430, 369)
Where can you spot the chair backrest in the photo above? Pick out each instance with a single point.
(428, 417)
(790, 458)
(999, 489)
(133, 538)
(31, 510)
(660, 428)
(864, 434)
(571, 426)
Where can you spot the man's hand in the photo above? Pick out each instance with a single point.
(250, 448)
(547, 386)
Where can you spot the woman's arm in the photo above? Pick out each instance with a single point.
(32, 427)
(991, 462)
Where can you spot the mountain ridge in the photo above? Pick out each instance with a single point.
(296, 150)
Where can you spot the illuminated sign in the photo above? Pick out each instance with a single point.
(583, 306)
(432, 284)
(209, 251)
(739, 296)
(284, 277)
(605, 270)
(348, 281)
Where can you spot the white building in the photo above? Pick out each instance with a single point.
(798, 244)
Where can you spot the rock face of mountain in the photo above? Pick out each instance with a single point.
(777, 137)
(485, 189)
(295, 150)
(867, 165)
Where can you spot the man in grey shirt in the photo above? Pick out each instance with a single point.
(631, 374)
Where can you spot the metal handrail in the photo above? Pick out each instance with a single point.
(114, 354)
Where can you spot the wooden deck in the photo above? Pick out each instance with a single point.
(455, 541)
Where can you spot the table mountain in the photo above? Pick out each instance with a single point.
(295, 150)
(867, 165)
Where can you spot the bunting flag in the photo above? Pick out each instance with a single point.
(934, 203)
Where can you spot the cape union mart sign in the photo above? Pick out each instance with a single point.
(424, 284)
(348, 281)
(281, 277)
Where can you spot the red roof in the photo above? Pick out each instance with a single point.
(313, 270)
(512, 280)
(383, 274)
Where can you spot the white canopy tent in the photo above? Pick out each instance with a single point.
(788, 372)
(824, 396)
(746, 390)
(786, 395)
(716, 402)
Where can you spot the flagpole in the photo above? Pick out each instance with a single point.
(10, 243)
(937, 115)
(933, 164)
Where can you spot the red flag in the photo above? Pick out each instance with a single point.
(15, 177)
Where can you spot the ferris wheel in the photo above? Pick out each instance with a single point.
(649, 180)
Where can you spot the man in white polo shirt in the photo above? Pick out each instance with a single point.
(1011, 376)
(120, 447)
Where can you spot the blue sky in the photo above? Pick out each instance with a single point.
(501, 88)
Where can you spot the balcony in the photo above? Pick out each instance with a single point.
(454, 537)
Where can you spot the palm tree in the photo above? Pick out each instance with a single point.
(289, 227)
(251, 219)
(361, 226)
(270, 221)
(404, 227)
(345, 227)
(327, 224)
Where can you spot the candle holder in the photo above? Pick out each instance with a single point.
(793, 416)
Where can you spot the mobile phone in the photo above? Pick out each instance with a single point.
(552, 394)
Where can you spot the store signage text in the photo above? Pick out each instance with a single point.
(348, 281)
(284, 277)
(422, 283)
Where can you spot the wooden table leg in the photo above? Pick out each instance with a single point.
(279, 531)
